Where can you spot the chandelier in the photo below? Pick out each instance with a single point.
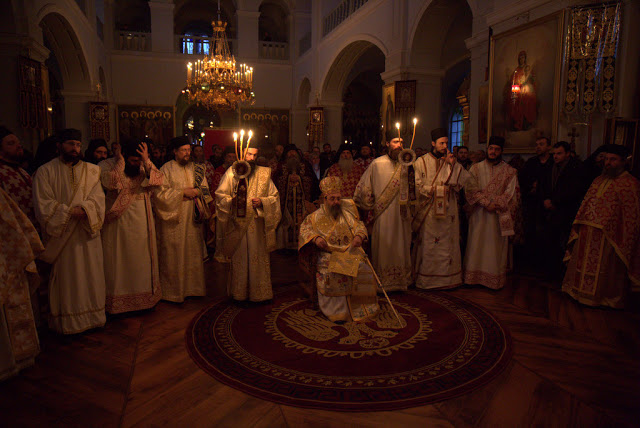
(215, 81)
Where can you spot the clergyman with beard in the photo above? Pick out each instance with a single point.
(181, 247)
(604, 246)
(131, 263)
(248, 210)
(13, 179)
(382, 189)
(365, 157)
(70, 206)
(331, 231)
(97, 151)
(347, 169)
(439, 179)
(491, 223)
(299, 188)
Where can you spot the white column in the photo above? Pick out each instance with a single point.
(299, 121)
(428, 97)
(478, 44)
(316, 36)
(333, 123)
(76, 107)
(301, 26)
(109, 25)
(247, 34)
(162, 37)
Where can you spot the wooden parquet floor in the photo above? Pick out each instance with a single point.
(573, 366)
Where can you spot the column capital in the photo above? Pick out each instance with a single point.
(248, 14)
(408, 73)
(35, 50)
(480, 39)
(161, 5)
(78, 95)
(331, 105)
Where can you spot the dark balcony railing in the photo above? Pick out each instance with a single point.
(339, 14)
(133, 41)
(274, 50)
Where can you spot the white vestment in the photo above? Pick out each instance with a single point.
(487, 254)
(247, 241)
(378, 190)
(179, 237)
(437, 250)
(129, 239)
(341, 297)
(73, 247)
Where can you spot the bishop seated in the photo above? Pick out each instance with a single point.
(330, 245)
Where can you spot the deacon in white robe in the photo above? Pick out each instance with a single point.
(382, 189)
(129, 234)
(180, 239)
(491, 223)
(69, 205)
(436, 252)
(248, 210)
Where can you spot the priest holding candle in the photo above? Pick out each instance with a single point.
(384, 188)
(248, 209)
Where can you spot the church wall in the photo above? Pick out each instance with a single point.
(157, 78)
(508, 14)
(149, 79)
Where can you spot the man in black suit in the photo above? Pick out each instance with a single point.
(562, 192)
(531, 179)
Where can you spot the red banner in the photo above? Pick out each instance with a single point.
(217, 137)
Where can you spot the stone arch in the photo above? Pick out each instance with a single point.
(304, 92)
(340, 71)
(61, 39)
(451, 18)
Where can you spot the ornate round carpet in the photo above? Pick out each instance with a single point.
(289, 353)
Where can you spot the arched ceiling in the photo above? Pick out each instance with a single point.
(440, 34)
(357, 57)
(304, 92)
(61, 40)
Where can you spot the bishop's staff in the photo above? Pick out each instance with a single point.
(375, 275)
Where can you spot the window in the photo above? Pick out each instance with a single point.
(195, 44)
(456, 128)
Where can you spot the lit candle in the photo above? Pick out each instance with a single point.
(415, 122)
(249, 139)
(241, 138)
(235, 143)
(398, 128)
(189, 72)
